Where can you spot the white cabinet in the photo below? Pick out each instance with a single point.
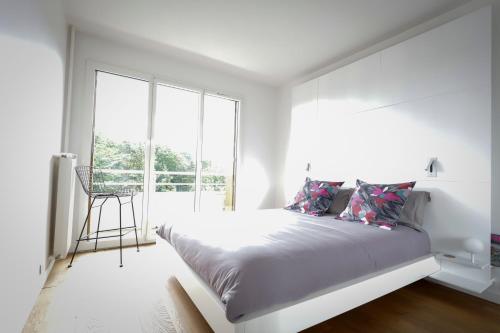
(302, 136)
(350, 89)
(449, 58)
(382, 117)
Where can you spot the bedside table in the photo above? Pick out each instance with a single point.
(462, 273)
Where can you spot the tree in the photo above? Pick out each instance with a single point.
(109, 154)
(168, 160)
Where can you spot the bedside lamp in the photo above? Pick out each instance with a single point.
(473, 246)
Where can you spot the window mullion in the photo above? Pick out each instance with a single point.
(199, 148)
(235, 153)
(149, 156)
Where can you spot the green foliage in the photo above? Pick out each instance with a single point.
(124, 155)
(166, 159)
(109, 154)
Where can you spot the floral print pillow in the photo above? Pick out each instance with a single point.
(315, 197)
(377, 204)
(495, 250)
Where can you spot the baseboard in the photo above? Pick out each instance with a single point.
(48, 269)
(107, 244)
(43, 276)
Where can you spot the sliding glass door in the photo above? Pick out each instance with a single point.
(218, 153)
(193, 154)
(120, 137)
(176, 147)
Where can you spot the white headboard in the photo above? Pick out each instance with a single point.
(381, 118)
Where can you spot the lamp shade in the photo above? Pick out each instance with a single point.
(473, 245)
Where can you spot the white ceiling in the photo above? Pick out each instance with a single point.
(272, 40)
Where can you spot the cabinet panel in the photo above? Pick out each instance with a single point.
(394, 143)
(458, 210)
(301, 141)
(448, 58)
(352, 88)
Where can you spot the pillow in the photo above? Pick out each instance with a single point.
(315, 197)
(414, 209)
(341, 200)
(377, 204)
(495, 250)
(412, 214)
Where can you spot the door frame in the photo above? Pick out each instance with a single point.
(92, 67)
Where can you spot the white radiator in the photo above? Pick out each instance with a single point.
(64, 208)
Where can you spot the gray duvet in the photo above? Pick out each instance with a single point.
(258, 260)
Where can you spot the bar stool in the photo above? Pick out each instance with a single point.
(93, 184)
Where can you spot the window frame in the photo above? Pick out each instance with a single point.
(153, 81)
(236, 142)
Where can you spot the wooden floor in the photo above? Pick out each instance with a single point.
(419, 307)
(82, 296)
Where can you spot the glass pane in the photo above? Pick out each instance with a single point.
(218, 154)
(120, 132)
(175, 138)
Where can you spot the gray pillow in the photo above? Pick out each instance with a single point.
(340, 201)
(414, 208)
(411, 215)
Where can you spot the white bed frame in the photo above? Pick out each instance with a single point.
(307, 312)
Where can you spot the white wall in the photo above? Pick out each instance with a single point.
(495, 195)
(380, 117)
(496, 117)
(32, 62)
(256, 169)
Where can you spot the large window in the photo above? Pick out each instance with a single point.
(178, 151)
(218, 153)
(120, 137)
(193, 152)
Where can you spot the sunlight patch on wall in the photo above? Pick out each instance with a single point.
(253, 186)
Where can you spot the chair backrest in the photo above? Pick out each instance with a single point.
(92, 179)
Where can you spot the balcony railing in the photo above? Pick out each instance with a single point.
(156, 173)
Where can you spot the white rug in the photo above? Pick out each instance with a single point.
(96, 295)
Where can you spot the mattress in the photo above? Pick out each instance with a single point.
(259, 260)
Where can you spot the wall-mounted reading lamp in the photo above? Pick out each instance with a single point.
(431, 167)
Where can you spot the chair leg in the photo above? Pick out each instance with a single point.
(135, 226)
(98, 225)
(121, 258)
(81, 233)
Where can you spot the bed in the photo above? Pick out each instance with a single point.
(280, 271)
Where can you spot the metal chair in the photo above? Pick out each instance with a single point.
(93, 184)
